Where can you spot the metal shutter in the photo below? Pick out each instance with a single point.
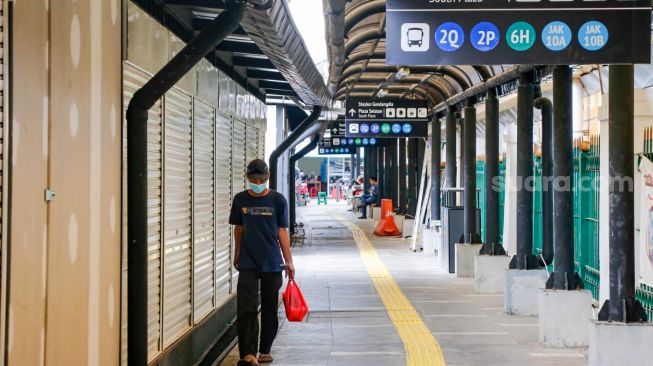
(133, 79)
(203, 206)
(177, 216)
(261, 144)
(251, 152)
(239, 156)
(223, 195)
(238, 166)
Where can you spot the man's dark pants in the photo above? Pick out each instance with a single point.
(366, 200)
(247, 322)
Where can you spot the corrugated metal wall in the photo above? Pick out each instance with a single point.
(177, 215)
(197, 161)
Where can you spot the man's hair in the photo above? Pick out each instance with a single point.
(374, 179)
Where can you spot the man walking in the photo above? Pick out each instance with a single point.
(371, 197)
(260, 217)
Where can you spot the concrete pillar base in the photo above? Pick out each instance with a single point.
(376, 213)
(565, 318)
(522, 289)
(490, 273)
(465, 254)
(620, 344)
(407, 227)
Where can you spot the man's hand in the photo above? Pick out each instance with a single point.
(290, 271)
(236, 264)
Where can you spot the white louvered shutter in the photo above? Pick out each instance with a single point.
(204, 209)
(177, 215)
(223, 201)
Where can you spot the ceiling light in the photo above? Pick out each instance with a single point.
(402, 73)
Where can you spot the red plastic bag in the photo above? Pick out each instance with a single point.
(293, 301)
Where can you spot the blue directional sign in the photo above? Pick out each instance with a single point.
(485, 36)
(449, 36)
(532, 32)
(593, 35)
(556, 36)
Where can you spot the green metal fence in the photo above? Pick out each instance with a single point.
(480, 186)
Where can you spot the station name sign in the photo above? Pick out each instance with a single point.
(386, 118)
(498, 32)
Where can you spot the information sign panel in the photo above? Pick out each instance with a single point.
(386, 118)
(499, 32)
(334, 141)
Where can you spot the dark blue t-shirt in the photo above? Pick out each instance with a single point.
(261, 218)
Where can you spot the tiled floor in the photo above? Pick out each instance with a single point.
(348, 324)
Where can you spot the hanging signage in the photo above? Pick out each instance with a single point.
(498, 32)
(386, 118)
(333, 141)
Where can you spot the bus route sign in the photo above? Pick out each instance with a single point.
(499, 32)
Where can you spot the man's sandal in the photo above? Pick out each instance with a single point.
(249, 360)
(265, 358)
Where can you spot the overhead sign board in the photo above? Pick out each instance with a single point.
(498, 32)
(333, 141)
(386, 118)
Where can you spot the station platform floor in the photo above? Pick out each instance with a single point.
(351, 314)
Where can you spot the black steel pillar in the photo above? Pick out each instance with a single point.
(382, 171)
(450, 169)
(563, 276)
(412, 177)
(492, 245)
(387, 171)
(622, 306)
(524, 259)
(402, 183)
(436, 152)
(545, 105)
(469, 167)
(394, 181)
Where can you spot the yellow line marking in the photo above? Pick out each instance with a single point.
(419, 343)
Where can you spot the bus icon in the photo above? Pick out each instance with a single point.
(415, 37)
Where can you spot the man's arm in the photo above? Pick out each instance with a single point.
(284, 242)
(238, 235)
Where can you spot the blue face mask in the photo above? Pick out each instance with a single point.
(257, 188)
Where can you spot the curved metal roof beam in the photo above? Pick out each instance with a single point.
(361, 38)
(445, 70)
(362, 56)
(363, 11)
(429, 84)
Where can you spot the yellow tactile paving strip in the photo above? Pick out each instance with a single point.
(419, 343)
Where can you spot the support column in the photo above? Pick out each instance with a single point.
(412, 177)
(450, 168)
(436, 152)
(524, 259)
(563, 276)
(545, 105)
(380, 171)
(469, 147)
(622, 306)
(387, 171)
(402, 184)
(394, 180)
(492, 245)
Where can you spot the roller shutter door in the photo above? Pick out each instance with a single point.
(204, 209)
(252, 143)
(177, 216)
(239, 156)
(223, 195)
(237, 173)
(133, 79)
(261, 144)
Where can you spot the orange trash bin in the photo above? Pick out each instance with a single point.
(387, 225)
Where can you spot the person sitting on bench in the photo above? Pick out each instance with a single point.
(371, 198)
